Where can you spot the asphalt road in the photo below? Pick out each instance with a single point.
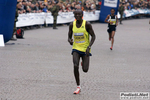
(40, 66)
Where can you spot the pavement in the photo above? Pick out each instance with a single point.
(40, 66)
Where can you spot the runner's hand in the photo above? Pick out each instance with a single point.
(111, 23)
(70, 41)
(87, 51)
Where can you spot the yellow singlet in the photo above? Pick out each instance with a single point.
(112, 19)
(81, 37)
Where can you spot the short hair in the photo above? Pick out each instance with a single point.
(112, 9)
(78, 10)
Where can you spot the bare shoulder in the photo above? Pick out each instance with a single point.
(71, 24)
(108, 16)
(88, 24)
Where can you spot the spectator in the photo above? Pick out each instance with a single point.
(64, 7)
(88, 7)
(148, 5)
(72, 7)
(32, 8)
(41, 6)
(49, 8)
(93, 6)
(121, 10)
(131, 4)
(78, 7)
(97, 5)
(44, 8)
(37, 9)
(24, 5)
(54, 10)
(128, 6)
(68, 8)
(28, 7)
(20, 8)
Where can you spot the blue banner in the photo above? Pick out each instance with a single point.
(106, 6)
(7, 18)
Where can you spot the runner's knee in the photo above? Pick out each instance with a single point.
(76, 65)
(76, 68)
(85, 70)
(112, 36)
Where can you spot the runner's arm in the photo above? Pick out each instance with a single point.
(91, 32)
(106, 20)
(70, 34)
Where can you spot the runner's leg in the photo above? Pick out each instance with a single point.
(112, 36)
(85, 63)
(76, 59)
(109, 36)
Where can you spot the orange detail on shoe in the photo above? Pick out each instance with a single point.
(110, 48)
(77, 91)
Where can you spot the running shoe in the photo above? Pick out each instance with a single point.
(78, 90)
(111, 48)
(109, 39)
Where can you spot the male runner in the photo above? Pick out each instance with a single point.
(80, 29)
(112, 21)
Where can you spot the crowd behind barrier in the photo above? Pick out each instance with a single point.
(135, 12)
(35, 12)
(38, 12)
(30, 19)
(38, 6)
(46, 18)
(34, 6)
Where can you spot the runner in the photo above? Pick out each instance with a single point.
(112, 21)
(80, 29)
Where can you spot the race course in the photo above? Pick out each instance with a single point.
(40, 66)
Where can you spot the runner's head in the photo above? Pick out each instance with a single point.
(78, 14)
(112, 11)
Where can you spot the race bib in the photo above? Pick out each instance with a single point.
(79, 37)
(114, 21)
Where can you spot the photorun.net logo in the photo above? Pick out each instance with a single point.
(134, 95)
